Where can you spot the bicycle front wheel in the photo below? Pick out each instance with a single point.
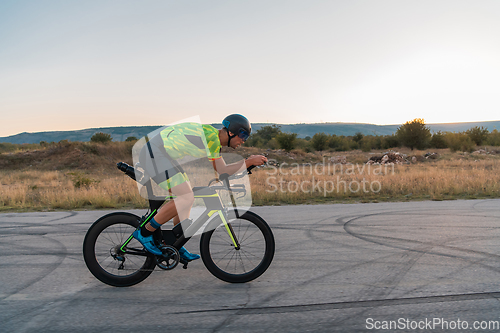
(250, 260)
(105, 260)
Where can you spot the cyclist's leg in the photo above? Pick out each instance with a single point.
(170, 176)
(179, 208)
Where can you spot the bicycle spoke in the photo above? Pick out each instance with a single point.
(108, 241)
(229, 261)
(247, 257)
(253, 242)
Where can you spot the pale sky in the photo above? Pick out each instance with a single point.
(67, 65)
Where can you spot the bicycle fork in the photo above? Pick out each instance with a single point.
(230, 231)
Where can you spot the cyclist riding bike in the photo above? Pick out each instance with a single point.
(176, 142)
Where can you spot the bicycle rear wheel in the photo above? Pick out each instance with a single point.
(105, 260)
(250, 261)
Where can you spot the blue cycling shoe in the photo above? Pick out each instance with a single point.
(147, 242)
(186, 255)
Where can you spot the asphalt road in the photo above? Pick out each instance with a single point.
(356, 267)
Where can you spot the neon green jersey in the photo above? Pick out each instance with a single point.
(191, 139)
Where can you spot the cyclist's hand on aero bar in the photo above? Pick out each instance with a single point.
(256, 160)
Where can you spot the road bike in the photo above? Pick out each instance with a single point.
(234, 247)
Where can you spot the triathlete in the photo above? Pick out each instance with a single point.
(178, 141)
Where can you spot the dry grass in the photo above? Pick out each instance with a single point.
(438, 180)
(452, 176)
(39, 190)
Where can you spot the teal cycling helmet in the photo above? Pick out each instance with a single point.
(238, 125)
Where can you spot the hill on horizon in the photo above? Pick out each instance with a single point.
(303, 130)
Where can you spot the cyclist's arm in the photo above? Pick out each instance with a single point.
(221, 167)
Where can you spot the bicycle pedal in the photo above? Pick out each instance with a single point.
(184, 263)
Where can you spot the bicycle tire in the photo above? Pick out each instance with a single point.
(256, 249)
(101, 242)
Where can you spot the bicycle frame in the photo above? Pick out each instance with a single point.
(213, 206)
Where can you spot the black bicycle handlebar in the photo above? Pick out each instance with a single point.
(249, 169)
(127, 169)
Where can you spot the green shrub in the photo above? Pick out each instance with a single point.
(266, 133)
(390, 141)
(286, 141)
(478, 134)
(320, 141)
(438, 140)
(494, 138)
(7, 147)
(131, 139)
(272, 144)
(89, 148)
(414, 134)
(254, 141)
(340, 143)
(64, 143)
(459, 142)
(101, 137)
(358, 137)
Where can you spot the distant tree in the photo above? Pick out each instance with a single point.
(459, 141)
(101, 137)
(63, 143)
(478, 134)
(266, 133)
(438, 140)
(319, 141)
(131, 138)
(494, 138)
(390, 141)
(253, 141)
(358, 137)
(286, 141)
(414, 134)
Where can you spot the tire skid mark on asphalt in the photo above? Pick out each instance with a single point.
(38, 316)
(23, 250)
(480, 202)
(434, 244)
(373, 291)
(452, 273)
(37, 224)
(41, 315)
(390, 278)
(292, 288)
(63, 226)
(353, 304)
(427, 246)
(50, 268)
(231, 317)
(371, 238)
(393, 276)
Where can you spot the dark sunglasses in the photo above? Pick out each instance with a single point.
(243, 134)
